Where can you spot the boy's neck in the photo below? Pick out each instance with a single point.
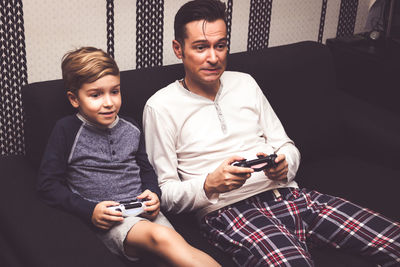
(83, 119)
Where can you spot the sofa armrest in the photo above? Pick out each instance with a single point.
(40, 235)
(8, 257)
(371, 133)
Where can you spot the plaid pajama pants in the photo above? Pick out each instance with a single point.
(272, 230)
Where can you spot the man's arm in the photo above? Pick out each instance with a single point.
(177, 195)
(226, 178)
(276, 137)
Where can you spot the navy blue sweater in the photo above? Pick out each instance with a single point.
(83, 165)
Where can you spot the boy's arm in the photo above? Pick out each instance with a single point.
(147, 174)
(52, 185)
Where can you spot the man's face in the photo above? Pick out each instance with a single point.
(204, 52)
(99, 102)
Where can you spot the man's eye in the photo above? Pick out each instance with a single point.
(200, 48)
(221, 46)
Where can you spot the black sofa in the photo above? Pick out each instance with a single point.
(349, 148)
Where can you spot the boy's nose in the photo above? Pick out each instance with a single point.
(108, 101)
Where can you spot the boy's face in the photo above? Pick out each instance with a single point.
(99, 102)
(205, 50)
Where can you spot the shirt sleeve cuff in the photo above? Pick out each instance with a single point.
(214, 197)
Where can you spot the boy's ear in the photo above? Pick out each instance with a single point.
(177, 49)
(73, 99)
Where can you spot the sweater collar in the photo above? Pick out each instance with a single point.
(91, 124)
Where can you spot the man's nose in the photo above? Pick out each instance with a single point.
(212, 56)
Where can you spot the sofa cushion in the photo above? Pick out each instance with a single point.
(369, 184)
(44, 103)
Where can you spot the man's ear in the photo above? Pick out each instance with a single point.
(178, 49)
(73, 99)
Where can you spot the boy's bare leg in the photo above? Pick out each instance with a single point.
(166, 243)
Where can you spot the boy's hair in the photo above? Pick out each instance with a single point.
(86, 65)
(208, 10)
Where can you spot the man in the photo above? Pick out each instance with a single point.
(197, 127)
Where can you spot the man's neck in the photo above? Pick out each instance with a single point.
(206, 90)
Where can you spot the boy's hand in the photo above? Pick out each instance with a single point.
(104, 218)
(152, 204)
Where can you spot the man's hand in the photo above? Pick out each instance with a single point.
(105, 218)
(152, 204)
(226, 177)
(280, 172)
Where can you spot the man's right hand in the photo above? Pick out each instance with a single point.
(226, 177)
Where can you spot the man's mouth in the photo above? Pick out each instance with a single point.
(212, 69)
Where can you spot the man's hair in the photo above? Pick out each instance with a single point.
(86, 65)
(208, 10)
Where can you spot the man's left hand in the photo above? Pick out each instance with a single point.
(279, 172)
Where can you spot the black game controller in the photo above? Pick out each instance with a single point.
(259, 164)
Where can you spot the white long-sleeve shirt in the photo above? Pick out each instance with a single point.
(188, 136)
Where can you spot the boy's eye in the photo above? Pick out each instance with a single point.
(95, 93)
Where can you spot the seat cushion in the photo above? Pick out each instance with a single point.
(366, 183)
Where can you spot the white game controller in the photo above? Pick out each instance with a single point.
(132, 208)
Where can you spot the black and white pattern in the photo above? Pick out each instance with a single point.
(110, 27)
(71, 25)
(13, 75)
(322, 21)
(259, 24)
(229, 11)
(149, 33)
(347, 17)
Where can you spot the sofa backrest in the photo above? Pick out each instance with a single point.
(298, 79)
(46, 102)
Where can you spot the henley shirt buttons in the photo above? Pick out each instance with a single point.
(111, 142)
(113, 153)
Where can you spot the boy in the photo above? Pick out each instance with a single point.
(96, 159)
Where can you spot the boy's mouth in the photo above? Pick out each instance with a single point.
(109, 113)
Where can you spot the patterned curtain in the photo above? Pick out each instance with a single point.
(149, 33)
(259, 24)
(13, 75)
(110, 27)
(322, 21)
(347, 17)
(229, 11)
